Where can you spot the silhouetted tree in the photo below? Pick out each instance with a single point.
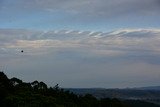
(15, 81)
(42, 85)
(35, 84)
(16, 93)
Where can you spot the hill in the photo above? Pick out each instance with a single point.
(156, 88)
(143, 94)
(16, 93)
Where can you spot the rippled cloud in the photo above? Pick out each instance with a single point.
(119, 42)
(128, 55)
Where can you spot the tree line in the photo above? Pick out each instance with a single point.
(16, 93)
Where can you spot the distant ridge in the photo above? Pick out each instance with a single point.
(135, 88)
(156, 88)
(147, 94)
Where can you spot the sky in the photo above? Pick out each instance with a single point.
(81, 43)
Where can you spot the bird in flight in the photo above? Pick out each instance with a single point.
(22, 51)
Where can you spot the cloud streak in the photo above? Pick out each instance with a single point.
(122, 41)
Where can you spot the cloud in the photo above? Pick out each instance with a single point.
(119, 42)
(128, 55)
(63, 56)
(85, 15)
(91, 8)
(125, 54)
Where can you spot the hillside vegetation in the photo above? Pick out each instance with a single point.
(16, 93)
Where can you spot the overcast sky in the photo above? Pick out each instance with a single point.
(81, 43)
(80, 15)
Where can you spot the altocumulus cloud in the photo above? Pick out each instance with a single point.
(83, 58)
(119, 43)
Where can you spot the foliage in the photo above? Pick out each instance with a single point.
(16, 93)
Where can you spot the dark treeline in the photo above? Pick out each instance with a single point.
(16, 93)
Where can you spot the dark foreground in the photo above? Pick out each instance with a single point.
(16, 93)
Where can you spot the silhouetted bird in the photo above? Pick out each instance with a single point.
(22, 51)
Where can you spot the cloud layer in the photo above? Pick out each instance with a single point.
(92, 55)
(84, 14)
(92, 7)
(64, 56)
(122, 41)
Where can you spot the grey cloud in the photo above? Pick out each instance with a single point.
(118, 37)
(120, 54)
(93, 8)
(116, 43)
(102, 6)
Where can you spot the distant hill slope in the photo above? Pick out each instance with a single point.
(144, 94)
(156, 88)
(135, 93)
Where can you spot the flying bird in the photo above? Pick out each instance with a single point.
(22, 51)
